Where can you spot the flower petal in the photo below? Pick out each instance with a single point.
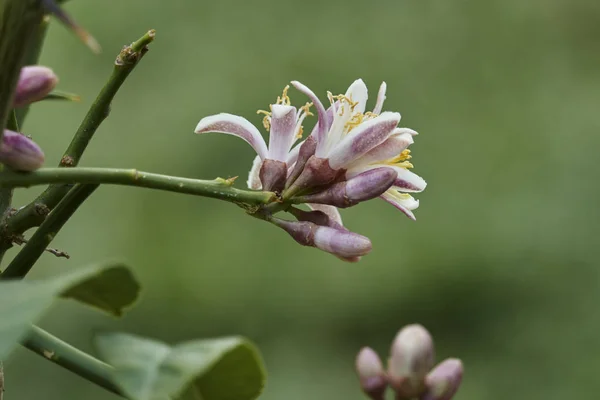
(281, 136)
(393, 146)
(362, 139)
(358, 93)
(403, 202)
(380, 98)
(324, 118)
(237, 126)
(254, 177)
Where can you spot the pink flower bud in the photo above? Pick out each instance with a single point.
(316, 217)
(362, 187)
(35, 82)
(316, 172)
(305, 151)
(412, 356)
(19, 152)
(344, 244)
(371, 374)
(443, 382)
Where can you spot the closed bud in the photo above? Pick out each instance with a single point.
(316, 172)
(316, 217)
(412, 357)
(371, 374)
(20, 153)
(443, 382)
(343, 244)
(35, 83)
(272, 175)
(362, 187)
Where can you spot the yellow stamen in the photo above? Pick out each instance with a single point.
(306, 109)
(300, 132)
(266, 120)
(284, 99)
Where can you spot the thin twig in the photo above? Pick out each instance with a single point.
(28, 256)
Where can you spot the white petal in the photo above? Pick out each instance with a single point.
(282, 134)
(403, 131)
(358, 93)
(380, 98)
(392, 147)
(323, 122)
(402, 202)
(363, 138)
(236, 126)
(254, 175)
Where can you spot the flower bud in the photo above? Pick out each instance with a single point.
(316, 217)
(272, 175)
(362, 187)
(305, 151)
(316, 172)
(412, 356)
(344, 244)
(444, 380)
(371, 374)
(35, 82)
(19, 152)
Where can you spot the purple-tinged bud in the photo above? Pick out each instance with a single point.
(316, 217)
(316, 172)
(371, 374)
(35, 83)
(343, 244)
(412, 357)
(272, 175)
(443, 382)
(307, 150)
(20, 153)
(362, 187)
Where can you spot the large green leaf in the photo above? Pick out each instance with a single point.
(23, 302)
(112, 290)
(216, 369)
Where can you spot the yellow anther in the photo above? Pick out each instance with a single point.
(266, 120)
(306, 109)
(356, 120)
(284, 99)
(300, 132)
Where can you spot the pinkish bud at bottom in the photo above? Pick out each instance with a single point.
(272, 175)
(20, 153)
(344, 244)
(371, 374)
(412, 356)
(443, 382)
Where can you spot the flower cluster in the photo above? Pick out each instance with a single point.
(351, 156)
(410, 373)
(17, 151)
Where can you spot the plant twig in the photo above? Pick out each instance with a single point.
(28, 256)
(71, 358)
(218, 188)
(29, 216)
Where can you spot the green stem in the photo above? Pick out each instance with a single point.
(218, 188)
(30, 215)
(43, 236)
(71, 358)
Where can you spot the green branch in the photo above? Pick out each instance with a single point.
(35, 247)
(70, 358)
(218, 188)
(30, 215)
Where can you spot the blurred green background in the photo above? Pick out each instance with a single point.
(501, 264)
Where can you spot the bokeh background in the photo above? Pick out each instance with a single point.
(501, 264)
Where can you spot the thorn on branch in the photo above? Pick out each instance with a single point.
(20, 240)
(62, 16)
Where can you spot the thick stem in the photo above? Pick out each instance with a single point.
(218, 188)
(35, 247)
(71, 358)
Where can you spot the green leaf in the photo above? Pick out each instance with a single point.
(112, 290)
(215, 369)
(23, 302)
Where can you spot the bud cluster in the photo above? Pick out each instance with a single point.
(410, 372)
(18, 151)
(351, 156)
